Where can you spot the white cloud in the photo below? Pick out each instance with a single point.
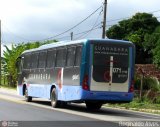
(30, 17)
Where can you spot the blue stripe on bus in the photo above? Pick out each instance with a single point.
(107, 96)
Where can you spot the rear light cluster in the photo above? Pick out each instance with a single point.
(85, 83)
(131, 89)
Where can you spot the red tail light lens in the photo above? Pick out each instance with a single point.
(85, 83)
(131, 89)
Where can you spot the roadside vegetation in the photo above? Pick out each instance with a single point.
(143, 30)
(8, 62)
(146, 97)
(137, 105)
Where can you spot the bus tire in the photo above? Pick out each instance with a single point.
(54, 102)
(27, 98)
(93, 106)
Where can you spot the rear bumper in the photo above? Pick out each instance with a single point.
(107, 96)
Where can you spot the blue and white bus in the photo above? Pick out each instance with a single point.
(90, 71)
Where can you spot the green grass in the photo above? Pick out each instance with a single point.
(8, 87)
(5, 84)
(141, 106)
(138, 105)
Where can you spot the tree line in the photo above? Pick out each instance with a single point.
(9, 71)
(143, 29)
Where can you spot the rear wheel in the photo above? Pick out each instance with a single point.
(93, 106)
(54, 102)
(27, 98)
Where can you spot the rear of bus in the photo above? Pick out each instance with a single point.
(109, 71)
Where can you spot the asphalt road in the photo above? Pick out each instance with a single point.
(39, 113)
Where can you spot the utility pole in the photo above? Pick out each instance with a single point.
(0, 54)
(104, 19)
(71, 36)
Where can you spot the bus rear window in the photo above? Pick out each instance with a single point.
(110, 63)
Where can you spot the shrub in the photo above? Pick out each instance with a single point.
(149, 83)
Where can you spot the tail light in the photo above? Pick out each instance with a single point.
(131, 89)
(85, 83)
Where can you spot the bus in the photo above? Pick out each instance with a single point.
(90, 71)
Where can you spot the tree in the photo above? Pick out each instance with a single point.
(136, 29)
(156, 54)
(152, 44)
(11, 55)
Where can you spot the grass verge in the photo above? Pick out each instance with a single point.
(8, 87)
(137, 105)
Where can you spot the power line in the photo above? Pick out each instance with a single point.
(130, 16)
(94, 25)
(83, 21)
(90, 30)
(136, 20)
(98, 26)
(83, 32)
(18, 36)
(59, 33)
(87, 32)
(73, 26)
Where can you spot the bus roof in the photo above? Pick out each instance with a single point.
(64, 43)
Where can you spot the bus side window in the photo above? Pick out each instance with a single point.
(51, 56)
(27, 61)
(42, 60)
(70, 56)
(78, 55)
(34, 59)
(61, 57)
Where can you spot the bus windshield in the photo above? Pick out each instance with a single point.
(110, 63)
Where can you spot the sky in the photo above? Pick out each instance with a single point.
(36, 20)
